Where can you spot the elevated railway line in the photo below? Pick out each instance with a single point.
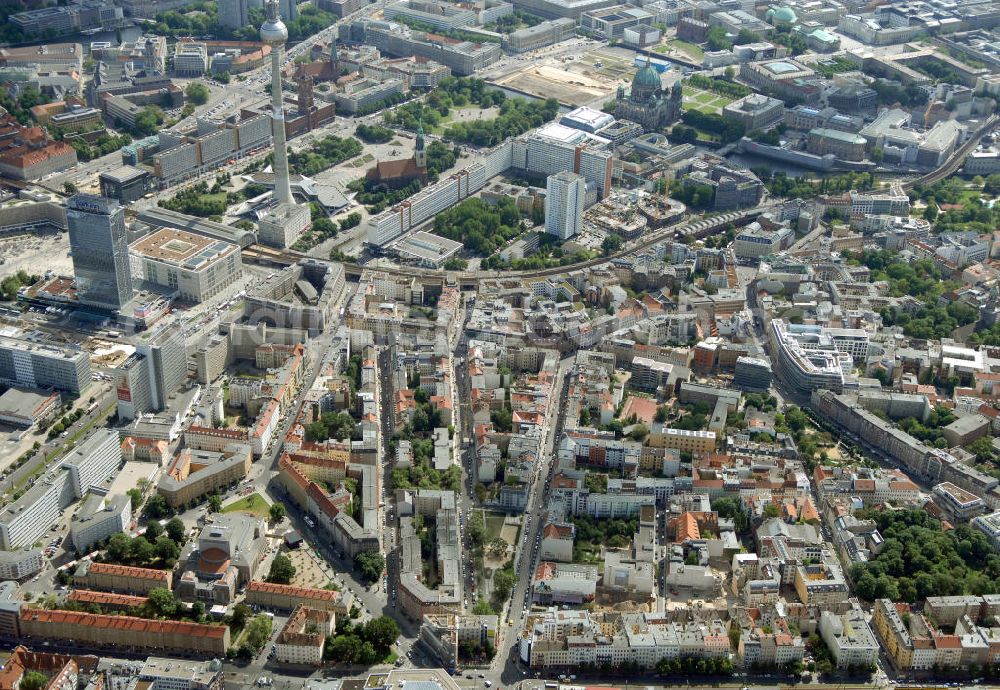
(469, 279)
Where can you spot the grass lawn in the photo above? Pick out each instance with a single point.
(704, 101)
(253, 504)
(218, 196)
(690, 48)
(494, 524)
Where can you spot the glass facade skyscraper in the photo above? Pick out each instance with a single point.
(99, 247)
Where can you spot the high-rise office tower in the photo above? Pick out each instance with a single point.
(564, 199)
(167, 361)
(157, 368)
(99, 246)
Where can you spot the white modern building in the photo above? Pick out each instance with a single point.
(849, 639)
(37, 364)
(97, 458)
(990, 526)
(549, 150)
(196, 266)
(565, 194)
(17, 565)
(26, 520)
(98, 518)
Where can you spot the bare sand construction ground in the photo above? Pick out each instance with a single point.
(547, 81)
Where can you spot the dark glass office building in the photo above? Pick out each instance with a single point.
(99, 247)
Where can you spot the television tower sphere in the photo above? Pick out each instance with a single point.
(273, 31)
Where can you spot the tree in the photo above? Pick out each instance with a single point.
(370, 565)
(135, 498)
(878, 155)
(382, 633)
(351, 220)
(175, 530)
(161, 602)
(197, 610)
(140, 551)
(982, 448)
(477, 529)
(277, 512)
(796, 419)
(638, 432)
(497, 547)
(157, 507)
(167, 549)
(770, 511)
(503, 583)
(214, 503)
(611, 244)
(34, 680)
(69, 188)
(344, 649)
(258, 632)
(282, 571)
(241, 612)
(197, 93)
(118, 545)
(153, 530)
(148, 121)
(324, 227)
(373, 134)
(483, 608)
(931, 212)
(717, 39)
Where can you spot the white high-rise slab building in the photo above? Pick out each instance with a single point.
(564, 199)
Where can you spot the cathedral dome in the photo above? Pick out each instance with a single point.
(646, 78)
(783, 15)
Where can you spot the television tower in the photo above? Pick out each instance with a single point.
(274, 33)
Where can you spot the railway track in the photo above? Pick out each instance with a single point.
(698, 229)
(957, 159)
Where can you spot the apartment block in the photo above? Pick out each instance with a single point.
(278, 597)
(98, 518)
(849, 639)
(125, 632)
(539, 36)
(120, 578)
(682, 439)
(20, 564)
(302, 638)
(40, 364)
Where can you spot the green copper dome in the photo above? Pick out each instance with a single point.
(646, 78)
(784, 15)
